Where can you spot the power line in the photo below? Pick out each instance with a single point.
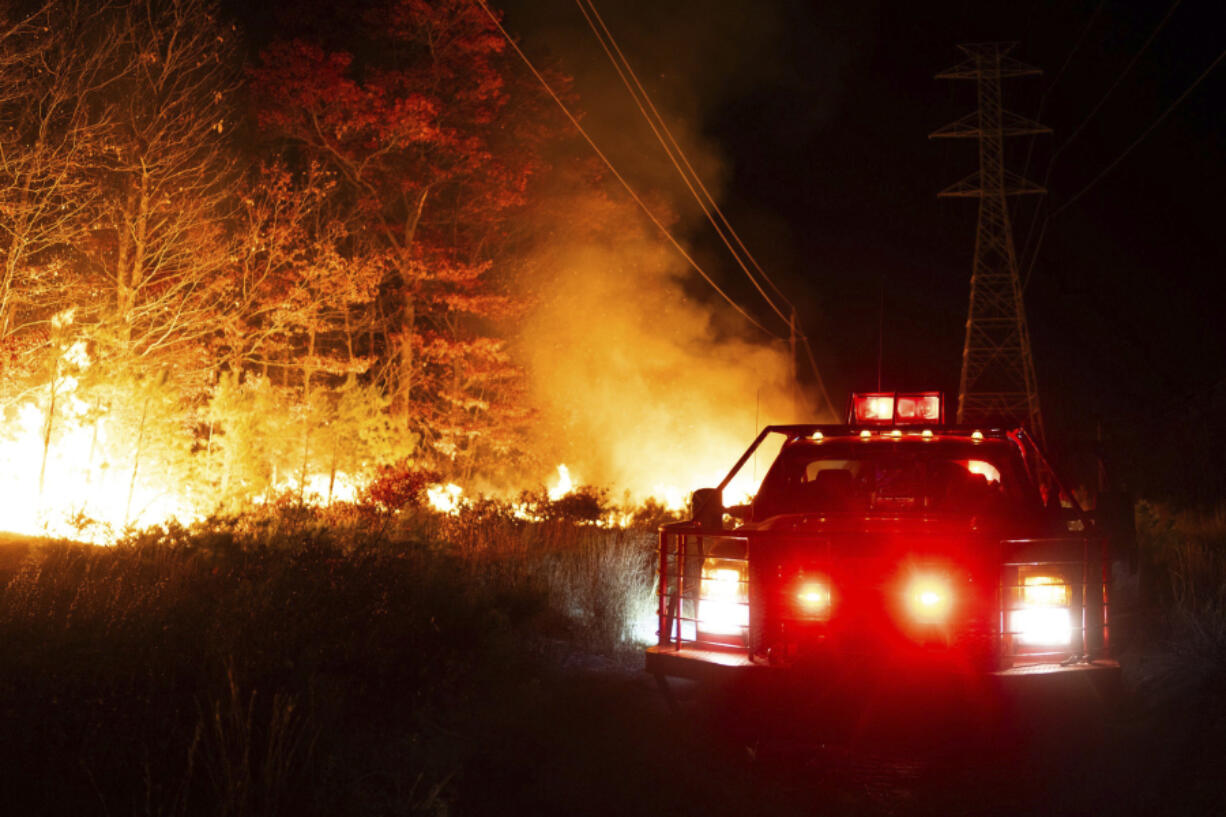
(1141, 138)
(612, 169)
(1076, 132)
(1161, 117)
(1043, 107)
(821, 384)
(1059, 74)
(690, 176)
(1127, 69)
(676, 155)
(678, 158)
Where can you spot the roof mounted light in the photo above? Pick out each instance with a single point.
(893, 408)
(924, 407)
(877, 409)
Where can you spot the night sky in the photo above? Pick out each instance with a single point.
(814, 116)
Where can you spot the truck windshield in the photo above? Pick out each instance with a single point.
(940, 476)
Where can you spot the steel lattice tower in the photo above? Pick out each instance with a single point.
(998, 382)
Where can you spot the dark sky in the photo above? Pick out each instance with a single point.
(815, 118)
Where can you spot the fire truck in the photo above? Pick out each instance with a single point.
(892, 543)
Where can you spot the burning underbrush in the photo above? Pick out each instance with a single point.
(95, 466)
(96, 460)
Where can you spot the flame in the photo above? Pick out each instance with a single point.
(564, 486)
(78, 466)
(448, 499)
(319, 489)
(670, 496)
(526, 512)
(66, 489)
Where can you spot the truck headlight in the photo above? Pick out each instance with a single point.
(723, 599)
(1042, 617)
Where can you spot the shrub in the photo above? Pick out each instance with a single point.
(394, 487)
(277, 661)
(1184, 556)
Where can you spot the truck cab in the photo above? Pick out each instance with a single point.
(894, 542)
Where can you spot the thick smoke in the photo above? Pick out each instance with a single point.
(645, 380)
(640, 387)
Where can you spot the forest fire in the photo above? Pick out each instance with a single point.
(279, 318)
(76, 471)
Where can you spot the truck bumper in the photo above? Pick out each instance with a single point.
(702, 664)
(721, 665)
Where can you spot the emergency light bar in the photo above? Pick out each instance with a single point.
(893, 408)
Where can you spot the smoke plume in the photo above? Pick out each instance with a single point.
(644, 379)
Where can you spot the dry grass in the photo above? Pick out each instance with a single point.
(1184, 580)
(292, 662)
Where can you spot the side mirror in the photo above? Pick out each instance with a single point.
(707, 508)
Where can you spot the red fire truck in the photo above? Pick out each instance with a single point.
(894, 542)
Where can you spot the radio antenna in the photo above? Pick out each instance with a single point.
(880, 331)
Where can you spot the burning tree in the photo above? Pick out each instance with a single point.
(49, 74)
(116, 169)
(430, 158)
(288, 344)
(189, 319)
(165, 179)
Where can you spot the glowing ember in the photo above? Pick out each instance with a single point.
(564, 485)
(526, 513)
(446, 499)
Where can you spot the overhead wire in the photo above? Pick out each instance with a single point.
(1060, 74)
(1124, 73)
(1051, 163)
(1123, 154)
(675, 152)
(617, 174)
(1162, 116)
(1043, 107)
(693, 181)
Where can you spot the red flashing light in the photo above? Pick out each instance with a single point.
(929, 597)
(873, 408)
(813, 598)
(891, 408)
(920, 408)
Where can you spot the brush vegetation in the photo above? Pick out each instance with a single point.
(1182, 586)
(355, 660)
(292, 660)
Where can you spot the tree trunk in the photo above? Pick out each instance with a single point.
(402, 404)
(47, 425)
(306, 415)
(140, 442)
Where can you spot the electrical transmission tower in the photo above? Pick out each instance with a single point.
(998, 381)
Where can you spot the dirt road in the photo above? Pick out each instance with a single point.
(605, 742)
